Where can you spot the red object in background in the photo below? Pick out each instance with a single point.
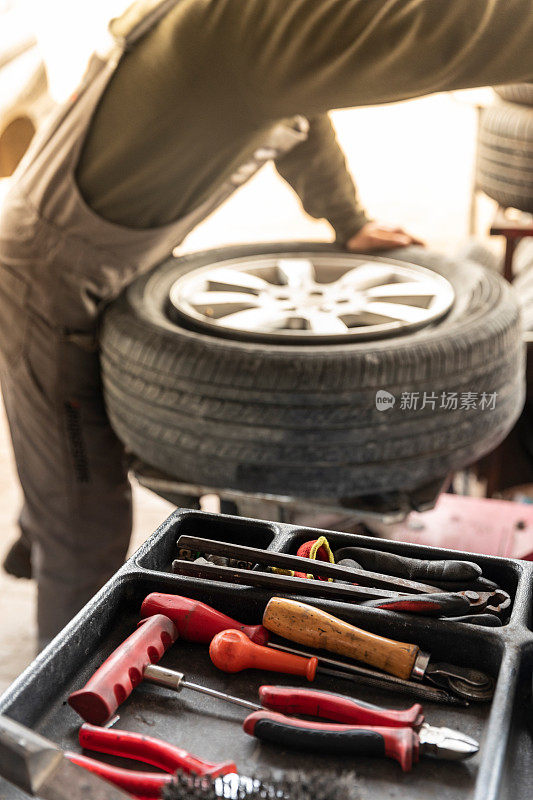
(306, 551)
(476, 525)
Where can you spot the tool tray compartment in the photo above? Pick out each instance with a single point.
(212, 729)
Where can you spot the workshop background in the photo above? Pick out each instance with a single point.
(400, 155)
(413, 163)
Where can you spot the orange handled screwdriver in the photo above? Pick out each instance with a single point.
(232, 651)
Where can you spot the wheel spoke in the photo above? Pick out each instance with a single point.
(365, 276)
(396, 312)
(320, 322)
(257, 319)
(220, 298)
(297, 273)
(233, 279)
(219, 304)
(409, 292)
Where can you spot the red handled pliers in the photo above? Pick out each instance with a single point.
(364, 729)
(142, 785)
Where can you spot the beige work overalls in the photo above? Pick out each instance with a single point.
(60, 263)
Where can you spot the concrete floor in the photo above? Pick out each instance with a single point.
(413, 163)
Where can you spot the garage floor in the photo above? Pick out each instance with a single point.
(413, 164)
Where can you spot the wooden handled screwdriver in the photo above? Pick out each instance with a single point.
(307, 625)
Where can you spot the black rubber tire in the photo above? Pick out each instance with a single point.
(516, 93)
(523, 283)
(504, 168)
(302, 420)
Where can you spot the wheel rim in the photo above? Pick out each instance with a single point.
(310, 298)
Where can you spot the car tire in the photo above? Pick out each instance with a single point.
(523, 283)
(302, 420)
(521, 93)
(504, 169)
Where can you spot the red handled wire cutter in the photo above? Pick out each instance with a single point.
(358, 728)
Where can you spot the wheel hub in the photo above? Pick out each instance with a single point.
(310, 298)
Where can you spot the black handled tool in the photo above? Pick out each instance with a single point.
(360, 729)
(451, 604)
(479, 584)
(426, 603)
(412, 568)
(364, 578)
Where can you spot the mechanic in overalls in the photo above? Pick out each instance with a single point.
(191, 99)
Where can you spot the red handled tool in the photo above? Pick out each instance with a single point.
(204, 622)
(293, 700)
(363, 730)
(195, 621)
(451, 604)
(134, 661)
(402, 744)
(232, 651)
(152, 751)
(115, 680)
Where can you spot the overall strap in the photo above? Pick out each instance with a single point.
(138, 19)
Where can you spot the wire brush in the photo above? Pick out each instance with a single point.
(265, 785)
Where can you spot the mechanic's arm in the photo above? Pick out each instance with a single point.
(309, 56)
(317, 171)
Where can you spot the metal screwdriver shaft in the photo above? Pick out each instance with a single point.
(346, 671)
(175, 680)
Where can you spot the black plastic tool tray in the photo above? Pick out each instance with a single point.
(212, 729)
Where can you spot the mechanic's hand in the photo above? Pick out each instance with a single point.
(376, 236)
